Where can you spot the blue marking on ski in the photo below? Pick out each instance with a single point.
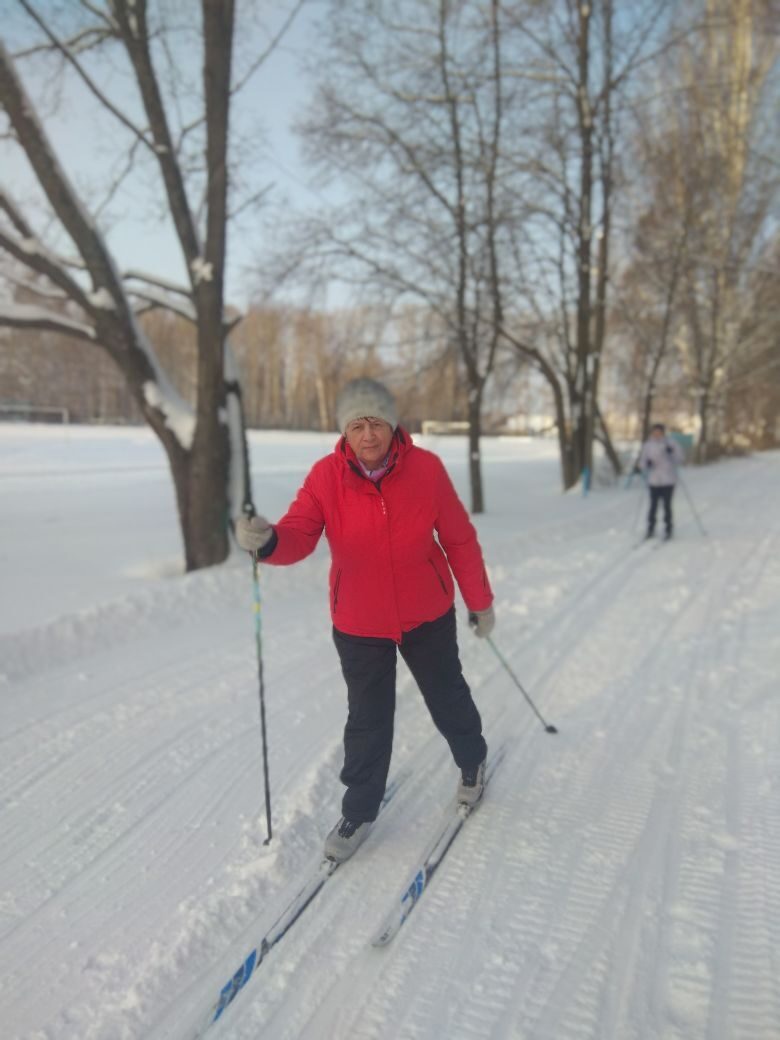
(430, 861)
(240, 979)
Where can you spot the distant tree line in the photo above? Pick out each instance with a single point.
(292, 364)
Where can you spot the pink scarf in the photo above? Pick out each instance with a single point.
(379, 472)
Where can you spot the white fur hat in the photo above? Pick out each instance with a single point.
(365, 398)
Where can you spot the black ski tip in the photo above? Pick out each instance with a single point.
(551, 729)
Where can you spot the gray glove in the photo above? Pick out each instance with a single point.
(482, 622)
(253, 532)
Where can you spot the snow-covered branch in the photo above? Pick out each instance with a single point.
(133, 274)
(178, 416)
(27, 316)
(35, 289)
(32, 254)
(159, 299)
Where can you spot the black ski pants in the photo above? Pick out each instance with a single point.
(660, 494)
(368, 665)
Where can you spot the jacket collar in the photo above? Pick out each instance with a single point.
(400, 446)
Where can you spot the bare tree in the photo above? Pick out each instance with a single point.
(720, 128)
(99, 303)
(579, 73)
(752, 410)
(409, 115)
(648, 290)
(696, 215)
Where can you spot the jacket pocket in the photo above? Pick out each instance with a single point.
(336, 586)
(438, 576)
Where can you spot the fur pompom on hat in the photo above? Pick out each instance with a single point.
(363, 399)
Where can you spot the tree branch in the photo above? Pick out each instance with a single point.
(161, 301)
(119, 179)
(100, 13)
(32, 255)
(244, 80)
(266, 54)
(78, 44)
(160, 283)
(61, 195)
(131, 19)
(69, 56)
(34, 289)
(22, 316)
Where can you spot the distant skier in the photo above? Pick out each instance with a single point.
(398, 533)
(658, 460)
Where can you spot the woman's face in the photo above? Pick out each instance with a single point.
(370, 440)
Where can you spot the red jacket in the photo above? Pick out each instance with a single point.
(388, 572)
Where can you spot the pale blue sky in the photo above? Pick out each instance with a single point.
(84, 140)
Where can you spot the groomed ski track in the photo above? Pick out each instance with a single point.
(620, 880)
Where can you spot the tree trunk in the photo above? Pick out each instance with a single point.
(569, 471)
(582, 403)
(647, 410)
(609, 447)
(702, 448)
(575, 434)
(475, 454)
(206, 536)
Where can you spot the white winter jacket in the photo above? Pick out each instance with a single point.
(659, 461)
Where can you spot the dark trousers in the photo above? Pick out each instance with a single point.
(660, 494)
(368, 665)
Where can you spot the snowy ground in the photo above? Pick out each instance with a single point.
(620, 881)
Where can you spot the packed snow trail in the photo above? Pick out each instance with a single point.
(619, 881)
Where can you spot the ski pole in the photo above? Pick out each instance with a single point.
(684, 486)
(548, 727)
(259, 641)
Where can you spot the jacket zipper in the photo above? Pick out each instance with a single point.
(336, 585)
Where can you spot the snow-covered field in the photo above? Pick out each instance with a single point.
(620, 882)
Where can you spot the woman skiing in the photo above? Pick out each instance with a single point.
(659, 459)
(398, 534)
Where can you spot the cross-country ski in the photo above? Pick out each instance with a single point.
(430, 861)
